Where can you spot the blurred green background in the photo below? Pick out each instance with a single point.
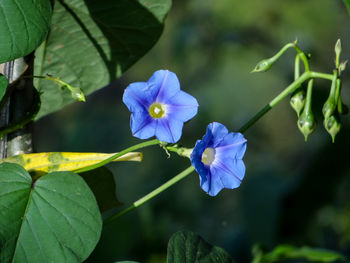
(293, 192)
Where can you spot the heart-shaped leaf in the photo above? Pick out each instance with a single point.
(185, 246)
(55, 219)
(93, 42)
(23, 26)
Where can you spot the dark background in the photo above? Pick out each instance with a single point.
(294, 192)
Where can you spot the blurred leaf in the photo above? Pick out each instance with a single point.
(282, 252)
(347, 3)
(93, 42)
(3, 85)
(54, 219)
(126, 262)
(41, 163)
(23, 26)
(185, 246)
(102, 184)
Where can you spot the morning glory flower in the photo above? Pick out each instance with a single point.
(218, 159)
(158, 107)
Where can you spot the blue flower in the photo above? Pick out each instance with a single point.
(158, 107)
(218, 159)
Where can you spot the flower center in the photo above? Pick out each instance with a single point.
(156, 110)
(208, 156)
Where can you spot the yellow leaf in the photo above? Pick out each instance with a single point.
(40, 163)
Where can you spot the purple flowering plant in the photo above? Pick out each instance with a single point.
(218, 159)
(50, 210)
(158, 107)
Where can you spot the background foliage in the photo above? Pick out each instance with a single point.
(293, 193)
(93, 42)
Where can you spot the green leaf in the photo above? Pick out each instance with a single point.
(347, 3)
(185, 246)
(3, 85)
(102, 184)
(93, 42)
(282, 252)
(55, 219)
(23, 26)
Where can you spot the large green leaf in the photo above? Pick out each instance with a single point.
(185, 246)
(93, 42)
(23, 26)
(55, 219)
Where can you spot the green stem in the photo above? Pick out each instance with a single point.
(291, 88)
(113, 157)
(309, 97)
(152, 194)
(317, 75)
(30, 116)
(181, 151)
(303, 58)
(297, 67)
(77, 93)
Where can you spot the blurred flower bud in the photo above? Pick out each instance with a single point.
(342, 108)
(306, 123)
(332, 125)
(343, 65)
(297, 100)
(329, 107)
(77, 94)
(264, 65)
(337, 48)
(331, 103)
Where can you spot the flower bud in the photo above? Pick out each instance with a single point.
(77, 94)
(337, 48)
(332, 125)
(306, 123)
(297, 101)
(329, 107)
(331, 103)
(266, 64)
(342, 108)
(343, 65)
(263, 65)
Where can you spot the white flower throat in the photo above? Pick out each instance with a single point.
(157, 110)
(208, 156)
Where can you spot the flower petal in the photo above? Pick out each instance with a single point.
(205, 180)
(137, 97)
(164, 84)
(218, 132)
(182, 106)
(169, 130)
(231, 171)
(233, 145)
(202, 170)
(142, 125)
